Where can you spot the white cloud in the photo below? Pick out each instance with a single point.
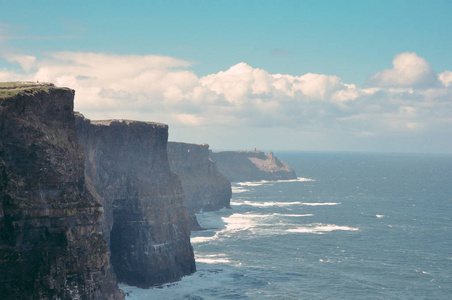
(243, 98)
(25, 61)
(446, 78)
(409, 70)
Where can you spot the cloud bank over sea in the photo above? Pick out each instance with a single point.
(406, 102)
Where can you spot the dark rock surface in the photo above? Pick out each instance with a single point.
(51, 245)
(146, 219)
(205, 188)
(251, 166)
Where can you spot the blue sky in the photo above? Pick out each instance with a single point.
(297, 75)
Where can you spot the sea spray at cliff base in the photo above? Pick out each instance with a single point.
(366, 226)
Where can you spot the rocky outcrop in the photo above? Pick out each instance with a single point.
(251, 166)
(205, 188)
(51, 245)
(145, 215)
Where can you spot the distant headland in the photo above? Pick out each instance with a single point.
(251, 166)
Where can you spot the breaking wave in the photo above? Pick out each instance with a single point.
(238, 189)
(321, 228)
(262, 182)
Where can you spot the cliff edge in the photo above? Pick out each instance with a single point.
(251, 166)
(50, 241)
(146, 220)
(205, 188)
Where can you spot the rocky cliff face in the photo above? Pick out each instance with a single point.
(205, 188)
(145, 215)
(51, 245)
(251, 166)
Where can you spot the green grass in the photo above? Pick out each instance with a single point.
(11, 89)
(14, 85)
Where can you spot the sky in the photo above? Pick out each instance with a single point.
(373, 76)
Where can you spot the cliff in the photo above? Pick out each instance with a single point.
(205, 188)
(146, 220)
(251, 166)
(50, 241)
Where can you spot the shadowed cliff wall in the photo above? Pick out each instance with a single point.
(146, 218)
(50, 241)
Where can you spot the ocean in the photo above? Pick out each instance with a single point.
(352, 226)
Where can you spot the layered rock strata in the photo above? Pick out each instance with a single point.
(205, 188)
(251, 166)
(146, 220)
(51, 246)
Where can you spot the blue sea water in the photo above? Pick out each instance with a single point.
(352, 226)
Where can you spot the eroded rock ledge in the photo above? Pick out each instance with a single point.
(51, 245)
(251, 166)
(205, 188)
(145, 220)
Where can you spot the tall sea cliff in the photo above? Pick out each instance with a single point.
(146, 220)
(51, 246)
(205, 188)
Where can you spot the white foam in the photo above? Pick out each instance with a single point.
(259, 183)
(202, 239)
(293, 215)
(213, 260)
(266, 204)
(238, 189)
(212, 219)
(239, 222)
(220, 258)
(251, 183)
(299, 179)
(380, 216)
(321, 228)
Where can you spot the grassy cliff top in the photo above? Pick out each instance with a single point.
(11, 89)
(127, 122)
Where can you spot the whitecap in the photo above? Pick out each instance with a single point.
(293, 215)
(251, 183)
(321, 228)
(299, 179)
(238, 222)
(213, 260)
(269, 203)
(212, 219)
(380, 216)
(220, 258)
(262, 182)
(238, 189)
(202, 239)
